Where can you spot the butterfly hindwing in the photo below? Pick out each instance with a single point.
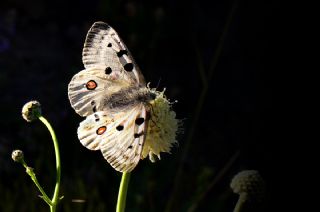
(104, 47)
(89, 128)
(119, 136)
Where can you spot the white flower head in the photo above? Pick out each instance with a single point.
(162, 128)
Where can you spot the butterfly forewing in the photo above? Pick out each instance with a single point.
(104, 47)
(89, 88)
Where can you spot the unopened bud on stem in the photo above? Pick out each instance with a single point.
(31, 111)
(17, 156)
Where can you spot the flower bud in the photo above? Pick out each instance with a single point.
(17, 156)
(31, 111)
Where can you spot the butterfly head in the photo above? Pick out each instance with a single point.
(153, 93)
(152, 96)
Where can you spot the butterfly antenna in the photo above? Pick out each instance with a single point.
(158, 84)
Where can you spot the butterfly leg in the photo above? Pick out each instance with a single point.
(153, 114)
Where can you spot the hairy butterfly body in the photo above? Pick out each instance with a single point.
(111, 93)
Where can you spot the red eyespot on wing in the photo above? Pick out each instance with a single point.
(101, 130)
(91, 85)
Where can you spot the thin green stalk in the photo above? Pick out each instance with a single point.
(121, 204)
(55, 198)
(30, 172)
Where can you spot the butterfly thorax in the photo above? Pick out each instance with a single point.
(129, 97)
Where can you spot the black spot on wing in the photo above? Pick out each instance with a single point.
(96, 117)
(128, 67)
(94, 108)
(108, 70)
(122, 52)
(139, 121)
(119, 128)
(137, 135)
(110, 45)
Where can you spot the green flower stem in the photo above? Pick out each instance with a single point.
(240, 202)
(121, 204)
(55, 198)
(30, 172)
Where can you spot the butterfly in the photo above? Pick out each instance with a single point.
(112, 94)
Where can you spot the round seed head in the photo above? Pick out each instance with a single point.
(250, 183)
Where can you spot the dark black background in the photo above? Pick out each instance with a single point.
(172, 41)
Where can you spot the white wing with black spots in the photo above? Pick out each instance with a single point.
(104, 47)
(120, 136)
(89, 88)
